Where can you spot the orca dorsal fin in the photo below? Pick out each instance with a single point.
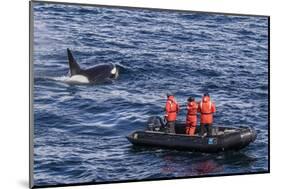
(73, 66)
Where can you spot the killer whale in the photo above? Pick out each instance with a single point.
(98, 74)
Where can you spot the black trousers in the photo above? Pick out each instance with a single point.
(206, 128)
(171, 126)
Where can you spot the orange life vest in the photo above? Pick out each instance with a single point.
(172, 108)
(191, 112)
(206, 108)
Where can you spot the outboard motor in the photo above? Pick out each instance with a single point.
(155, 123)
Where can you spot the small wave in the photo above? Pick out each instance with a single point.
(61, 78)
(123, 68)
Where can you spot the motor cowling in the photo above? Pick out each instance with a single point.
(155, 123)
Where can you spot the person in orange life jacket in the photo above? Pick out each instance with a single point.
(191, 116)
(207, 108)
(171, 108)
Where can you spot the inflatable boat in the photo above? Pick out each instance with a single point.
(221, 138)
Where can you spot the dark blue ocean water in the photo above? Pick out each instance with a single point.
(80, 129)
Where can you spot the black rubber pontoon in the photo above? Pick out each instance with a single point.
(222, 138)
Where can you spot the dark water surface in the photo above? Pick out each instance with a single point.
(80, 129)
